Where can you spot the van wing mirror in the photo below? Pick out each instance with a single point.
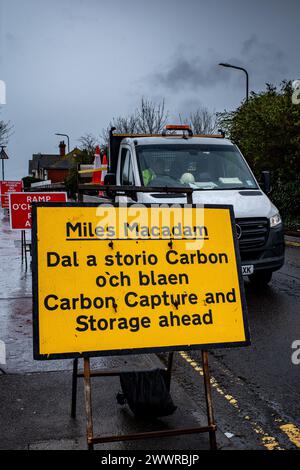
(110, 179)
(266, 181)
(132, 195)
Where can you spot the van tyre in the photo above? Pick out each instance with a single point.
(260, 279)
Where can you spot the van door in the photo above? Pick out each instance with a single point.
(126, 174)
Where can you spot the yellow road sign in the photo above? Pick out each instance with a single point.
(114, 280)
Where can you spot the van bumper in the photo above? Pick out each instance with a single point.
(269, 257)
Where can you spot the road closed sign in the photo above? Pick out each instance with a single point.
(20, 206)
(119, 279)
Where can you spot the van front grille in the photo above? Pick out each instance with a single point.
(253, 233)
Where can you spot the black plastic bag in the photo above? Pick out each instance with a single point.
(146, 393)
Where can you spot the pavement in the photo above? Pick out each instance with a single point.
(35, 413)
(35, 396)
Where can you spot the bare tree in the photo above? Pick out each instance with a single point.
(151, 117)
(88, 143)
(6, 130)
(202, 121)
(148, 118)
(104, 136)
(123, 125)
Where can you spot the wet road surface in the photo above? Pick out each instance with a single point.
(257, 388)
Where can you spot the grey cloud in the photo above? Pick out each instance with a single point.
(264, 61)
(193, 72)
(248, 45)
(264, 57)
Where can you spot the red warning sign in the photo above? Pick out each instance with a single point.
(7, 187)
(20, 207)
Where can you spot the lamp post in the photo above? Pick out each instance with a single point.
(243, 70)
(65, 135)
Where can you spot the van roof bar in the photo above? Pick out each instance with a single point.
(177, 127)
(171, 127)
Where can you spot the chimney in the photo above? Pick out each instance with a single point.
(62, 148)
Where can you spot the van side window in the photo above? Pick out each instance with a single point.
(127, 177)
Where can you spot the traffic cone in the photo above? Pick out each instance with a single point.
(97, 164)
(103, 173)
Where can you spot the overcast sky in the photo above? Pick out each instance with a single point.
(70, 66)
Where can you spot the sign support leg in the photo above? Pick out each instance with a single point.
(25, 252)
(209, 401)
(22, 246)
(169, 368)
(74, 388)
(88, 402)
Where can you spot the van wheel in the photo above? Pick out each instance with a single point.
(261, 278)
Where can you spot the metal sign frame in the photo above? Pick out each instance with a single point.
(211, 427)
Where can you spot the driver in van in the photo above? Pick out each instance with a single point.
(149, 174)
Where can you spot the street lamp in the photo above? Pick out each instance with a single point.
(65, 135)
(244, 70)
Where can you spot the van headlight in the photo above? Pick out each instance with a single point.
(275, 220)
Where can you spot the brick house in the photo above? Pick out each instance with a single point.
(53, 167)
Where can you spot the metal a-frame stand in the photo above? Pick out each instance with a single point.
(87, 374)
(25, 248)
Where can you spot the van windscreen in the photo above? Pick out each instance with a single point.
(198, 166)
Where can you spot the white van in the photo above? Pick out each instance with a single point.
(217, 171)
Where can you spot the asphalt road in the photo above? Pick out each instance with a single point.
(256, 388)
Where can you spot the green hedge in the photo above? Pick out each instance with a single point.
(286, 197)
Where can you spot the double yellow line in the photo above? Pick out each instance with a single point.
(268, 441)
(292, 432)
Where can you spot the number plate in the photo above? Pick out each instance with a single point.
(247, 269)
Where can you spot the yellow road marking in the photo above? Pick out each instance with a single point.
(268, 441)
(292, 432)
(292, 243)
